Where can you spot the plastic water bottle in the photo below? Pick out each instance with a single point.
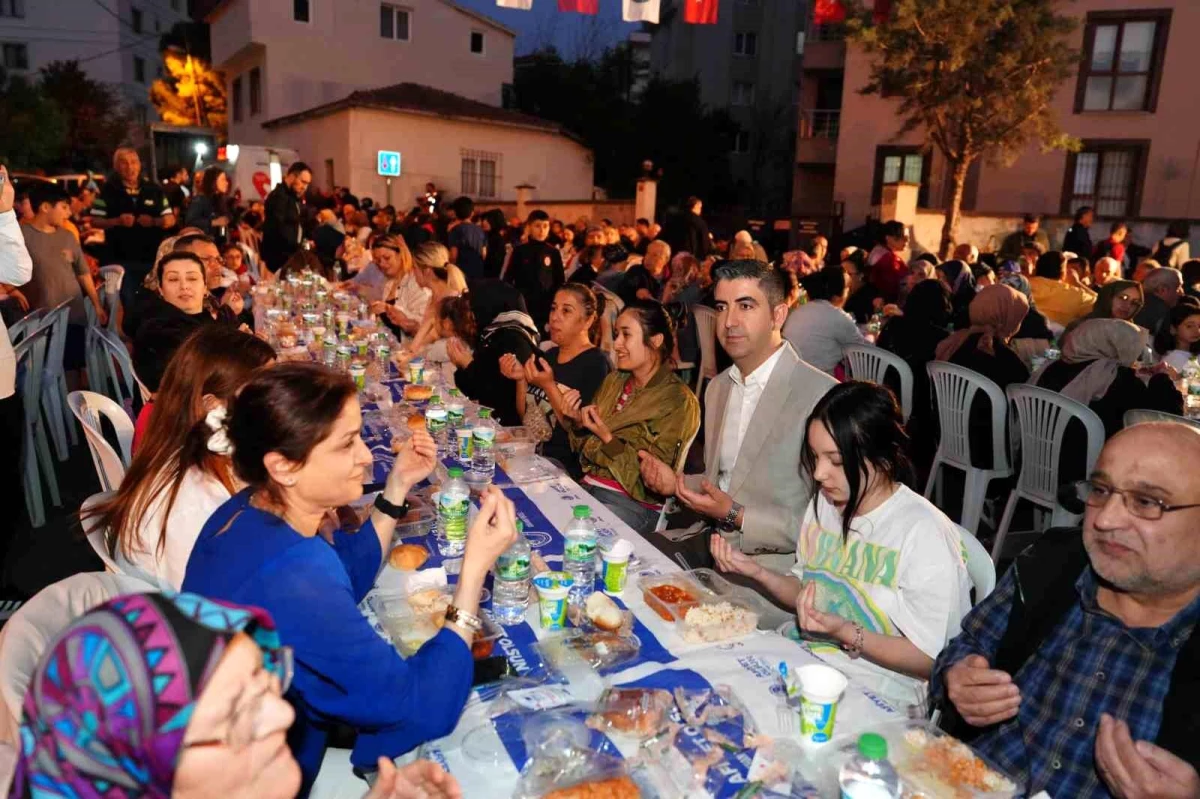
(483, 436)
(435, 423)
(1191, 376)
(868, 774)
(510, 589)
(579, 554)
(454, 502)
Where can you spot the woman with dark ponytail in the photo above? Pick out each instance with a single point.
(553, 385)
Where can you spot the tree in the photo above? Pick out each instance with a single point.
(34, 129)
(975, 76)
(97, 121)
(191, 92)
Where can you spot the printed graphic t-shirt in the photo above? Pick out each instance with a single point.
(901, 572)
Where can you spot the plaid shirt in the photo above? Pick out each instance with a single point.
(1090, 664)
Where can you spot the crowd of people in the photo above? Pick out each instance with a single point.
(1074, 674)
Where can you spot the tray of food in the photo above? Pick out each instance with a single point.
(770, 617)
(700, 614)
(411, 620)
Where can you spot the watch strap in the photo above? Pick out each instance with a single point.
(388, 509)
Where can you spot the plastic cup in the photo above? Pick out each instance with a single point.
(465, 448)
(821, 688)
(552, 589)
(416, 370)
(615, 567)
(359, 373)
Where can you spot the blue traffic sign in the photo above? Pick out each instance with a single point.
(389, 164)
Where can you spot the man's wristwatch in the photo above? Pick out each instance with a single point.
(388, 509)
(730, 521)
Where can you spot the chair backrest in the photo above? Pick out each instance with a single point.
(706, 334)
(954, 388)
(38, 621)
(114, 276)
(116, 351)
(1139, 415)
(871, 363)
(26, 324)
(979, 565)
(1042, 419)
(56, 320)
(88, 407)
(30, 354)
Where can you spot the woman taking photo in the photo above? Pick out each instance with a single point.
(209, 209)
(883, 621)
(641, 406)
(295, 431)
(554, 384)
(176, 480)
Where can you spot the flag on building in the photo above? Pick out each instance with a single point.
(828, 12)
(520, 5)
(580, 6)
(700, 12)
(640, 10)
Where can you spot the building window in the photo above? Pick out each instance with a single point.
(477, 42)
(135, 15)
(139, 69)
(901, 165)
(468, 180)
(301, 10)
(480, 176)
(255, 92)
(16, 56)
(487, 178)
(394, 23)
(236, 90)
(743, 93)
(12, 8)
(1106, 176)
(745, 43)
(1122, 61)
(741, 142)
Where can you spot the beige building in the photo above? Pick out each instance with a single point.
(340, 80)
(1130, 103)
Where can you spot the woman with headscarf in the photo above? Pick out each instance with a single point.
(190, 705)
(996, 314)
(494, 324)
(1120, 299)
(1034, 336)
(1097, 369)
(960, 282)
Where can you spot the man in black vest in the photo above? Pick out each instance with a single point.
(1080, 673)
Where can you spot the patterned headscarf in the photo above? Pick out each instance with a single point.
(108, 707)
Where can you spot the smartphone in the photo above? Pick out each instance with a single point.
(489, 670)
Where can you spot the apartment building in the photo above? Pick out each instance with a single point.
(114, 41)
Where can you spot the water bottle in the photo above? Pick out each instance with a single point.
(579, 554)
(454, 502)
(455, 411)
(483, 436)
(868, 774)
(510, 589)
(435, 423)
(1191, 376)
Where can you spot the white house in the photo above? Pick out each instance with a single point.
(339, 80)
(115, 41)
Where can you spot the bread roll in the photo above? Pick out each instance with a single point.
(417, 392)
(408, 557)
(603, 612)
(416, 422)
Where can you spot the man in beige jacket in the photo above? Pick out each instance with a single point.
(752, 491)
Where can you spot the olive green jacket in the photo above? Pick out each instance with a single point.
(661, 418)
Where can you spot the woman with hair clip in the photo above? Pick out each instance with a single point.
(641, 406)
(879, 584)
(433, 272)
(553, 385)
(176, 479)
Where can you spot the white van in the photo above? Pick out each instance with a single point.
(254, 170)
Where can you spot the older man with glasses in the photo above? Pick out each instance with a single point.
(1080, 673)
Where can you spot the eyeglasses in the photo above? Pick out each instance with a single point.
(214, 259)
(244, 724)
(1143, 506)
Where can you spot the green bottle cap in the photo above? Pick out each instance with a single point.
(872, 746)
(455, 471)
(485, 413)
(520, 527)
(582, 512)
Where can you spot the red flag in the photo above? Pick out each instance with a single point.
(828, 12)
(700, 12)
(580, 6)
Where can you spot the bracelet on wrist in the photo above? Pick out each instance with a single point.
(855, 647)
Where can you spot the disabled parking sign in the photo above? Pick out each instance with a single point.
(388, 164)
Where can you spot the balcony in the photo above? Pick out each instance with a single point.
(816, 137)
(824, 47)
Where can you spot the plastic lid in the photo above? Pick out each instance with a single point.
(455, 471)
(872, 746)
(582, 512)
(485, 413)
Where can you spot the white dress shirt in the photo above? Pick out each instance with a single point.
(16, 268)
(739, 410)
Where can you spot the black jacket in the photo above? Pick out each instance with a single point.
(1078, 240)
(162, 328)
(282, 227)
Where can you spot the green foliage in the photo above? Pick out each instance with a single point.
(33, 133)
(96, 120)
(666, 122)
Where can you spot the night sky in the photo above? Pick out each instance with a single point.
(573, 34)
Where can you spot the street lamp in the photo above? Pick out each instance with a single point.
(201, 149)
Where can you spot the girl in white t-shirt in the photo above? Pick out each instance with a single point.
(1176, 341)
(880, 583)
(180, 472)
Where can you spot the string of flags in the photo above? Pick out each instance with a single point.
(695, 12)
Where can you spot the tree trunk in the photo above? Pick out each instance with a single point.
(953, 212)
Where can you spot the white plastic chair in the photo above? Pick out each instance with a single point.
(1042, 417)
(54, 382)
(706, 335)
(980, 566)
(119, 368)
(114, 276)
(669, 506)
(871, 364)
(1140, 415)
(954, 389)
(35, 445)
(26, 324)
(88, 407)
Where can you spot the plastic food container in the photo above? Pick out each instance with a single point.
(720, 619)
(672, 595)
(769, 616)
(418, 522)
(411, 621)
